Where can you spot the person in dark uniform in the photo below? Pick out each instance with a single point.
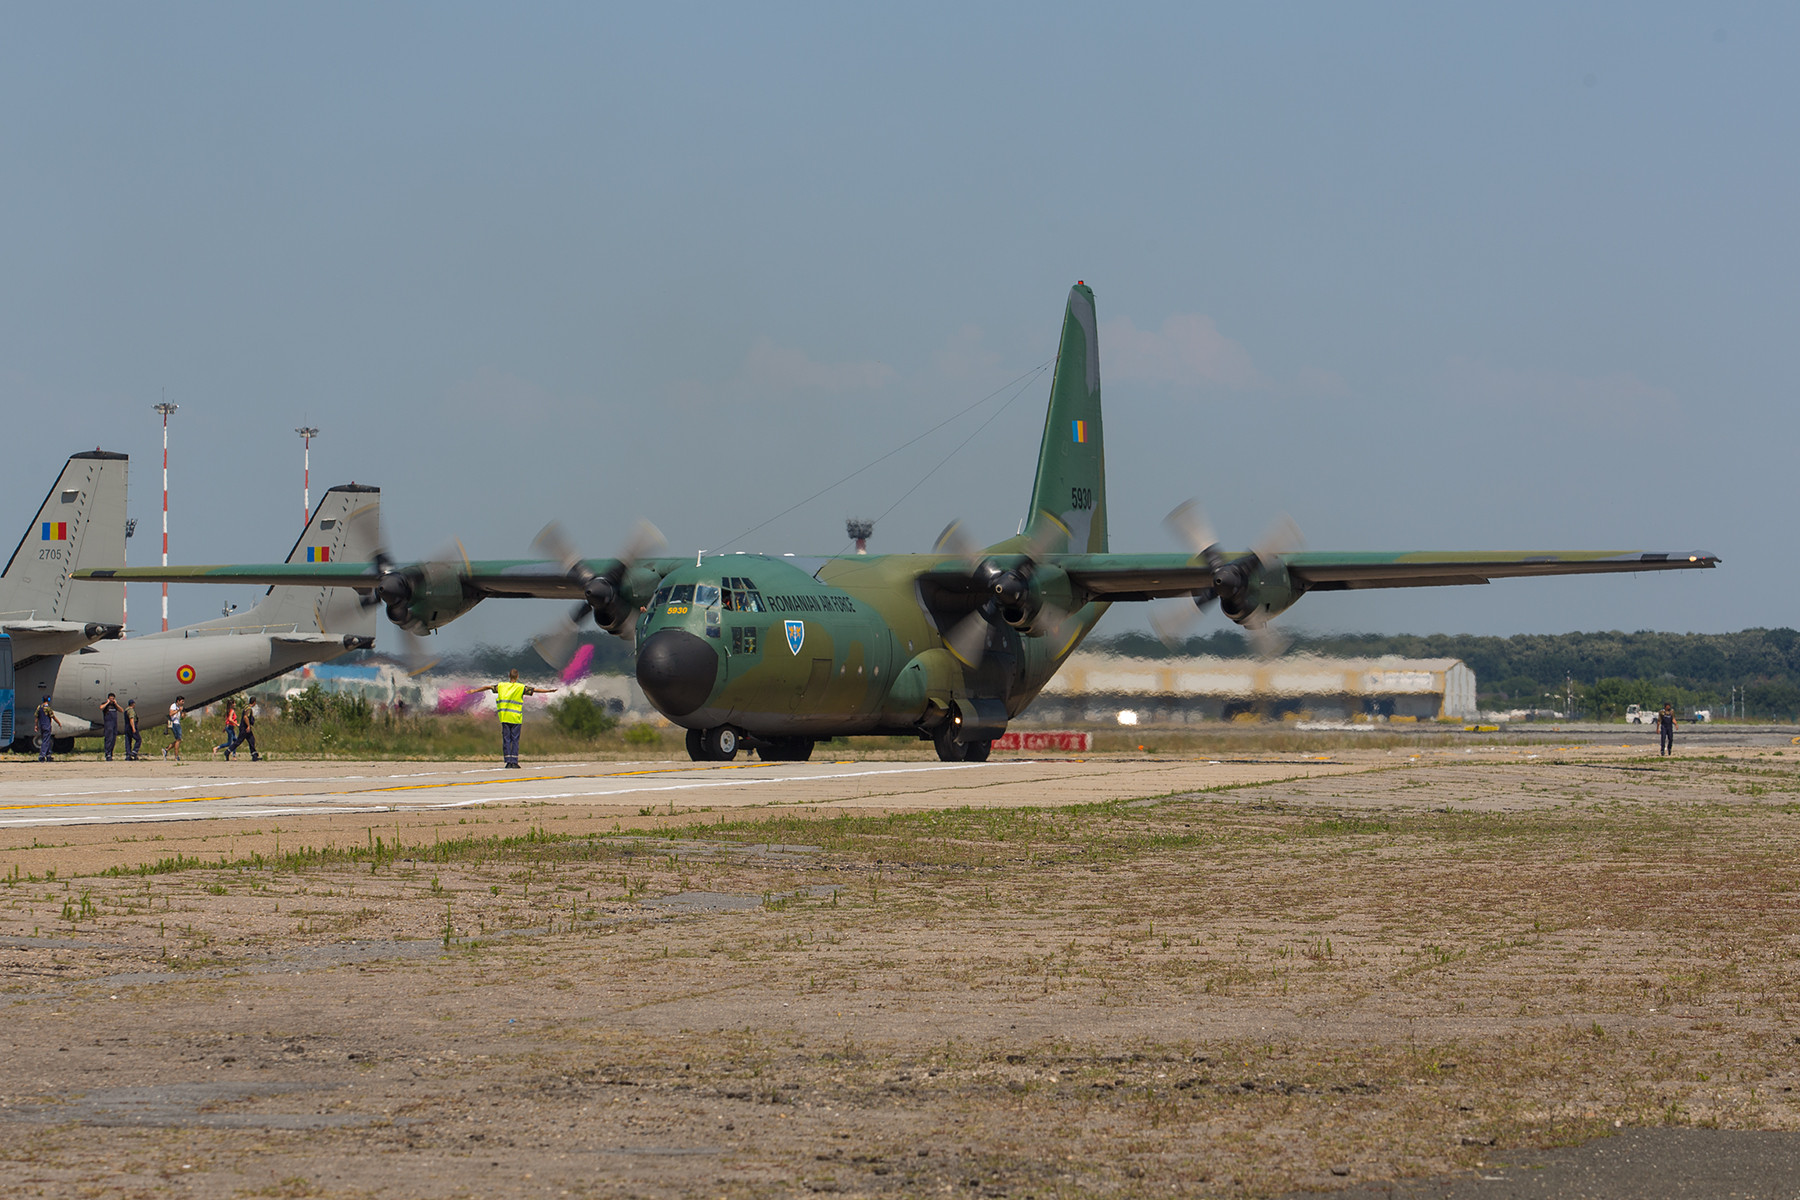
(45, 715)
(247, 730)
(1665, 727)
(109, 723)
(134, 737)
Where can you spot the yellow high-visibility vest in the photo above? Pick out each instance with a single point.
(511, 702)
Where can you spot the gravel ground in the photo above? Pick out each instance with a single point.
(1411, 971)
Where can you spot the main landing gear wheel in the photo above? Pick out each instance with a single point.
(696, 745)
(790, 749)
(721, 743)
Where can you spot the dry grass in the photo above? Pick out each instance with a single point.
(1226, 993)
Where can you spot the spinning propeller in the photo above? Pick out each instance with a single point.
(1011, 597)
(399, 588)
(1232, 579)
(603, 592)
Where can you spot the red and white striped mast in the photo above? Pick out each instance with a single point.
(165, 408)
(307, 434)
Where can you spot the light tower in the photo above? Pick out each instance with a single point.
(307, 434)
(125, 600)
(860, 528)
(165, 408)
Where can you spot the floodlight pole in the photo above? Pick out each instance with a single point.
(165, 408)
(307, 434)
(125, 588)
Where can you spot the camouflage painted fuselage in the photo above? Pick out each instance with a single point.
(785, 647)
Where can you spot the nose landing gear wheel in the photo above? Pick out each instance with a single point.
(720, 744)
(948, 748)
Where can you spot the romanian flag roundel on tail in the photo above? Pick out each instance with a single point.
(1079, 431)
(55, 531)
(318, 554)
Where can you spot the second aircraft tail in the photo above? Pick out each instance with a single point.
(345, 527)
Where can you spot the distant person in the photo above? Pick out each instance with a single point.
(229, 745)
(1665, 728)
(247, 730)
(46, 716)
(176, 711)
(134, 737)
(109, 723)
(509, 702)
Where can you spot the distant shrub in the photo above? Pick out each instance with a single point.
(580, 714)
(643, 734)
(316, 706)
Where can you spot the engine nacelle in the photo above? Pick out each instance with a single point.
(1267, 590)
(616, 604)
(421, 598)
(1036, 601)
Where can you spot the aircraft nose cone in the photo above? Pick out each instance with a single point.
(676, 671)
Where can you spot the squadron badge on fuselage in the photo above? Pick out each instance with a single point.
(796, 634)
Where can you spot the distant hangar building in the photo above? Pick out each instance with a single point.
(1096, 687)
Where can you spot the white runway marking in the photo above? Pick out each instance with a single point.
(416, 791)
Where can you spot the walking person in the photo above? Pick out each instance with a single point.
(109, 723)
(509, 702)
(176, 711)
(134, 737)
(229, 745)
(1665, 726)
(247, 730)
(45, 717)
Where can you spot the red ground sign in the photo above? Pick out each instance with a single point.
(1064, 740)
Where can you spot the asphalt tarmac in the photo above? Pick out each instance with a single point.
(88, 793)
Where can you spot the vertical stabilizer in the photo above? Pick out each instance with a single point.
(345, 527)
(81, 524)
(1071, 473)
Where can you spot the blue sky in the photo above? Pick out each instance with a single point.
(1421, 276)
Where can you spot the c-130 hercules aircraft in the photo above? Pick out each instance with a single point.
(775, 653)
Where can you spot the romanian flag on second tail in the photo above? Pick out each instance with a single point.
(318, 554)
(55, 531)
(1079, 432)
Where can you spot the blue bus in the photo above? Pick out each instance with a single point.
(7, 721)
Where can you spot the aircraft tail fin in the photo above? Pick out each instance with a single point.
(1070, 490)
(80, 524)
(345, 527)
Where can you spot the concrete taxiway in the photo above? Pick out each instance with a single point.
(87, 794)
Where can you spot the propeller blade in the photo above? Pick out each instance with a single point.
(1279, 540)
(1188, 525)
(1173, 621)
(645, 540)
(967, 639)
(416, 657)
(556, 646)
(1266, 641)
(552, 542)
(955, 540)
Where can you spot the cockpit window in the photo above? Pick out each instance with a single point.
(662, 594)
(706, 593)
(741, 595)
(681, 593)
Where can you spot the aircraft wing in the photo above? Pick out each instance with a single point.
(489, 577)
(1149, 576)
(38, 639)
